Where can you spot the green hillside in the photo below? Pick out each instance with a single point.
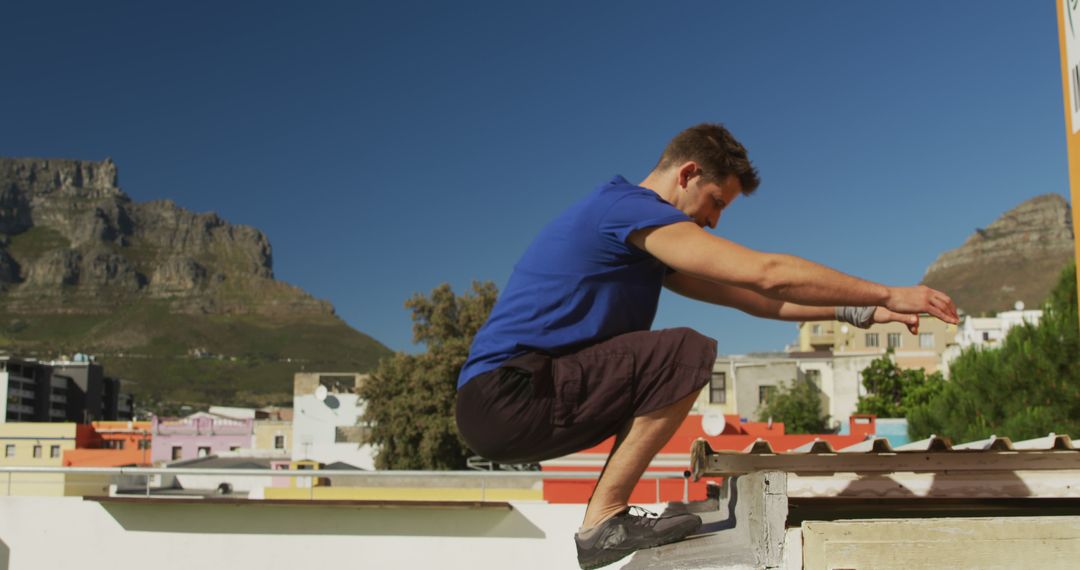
(182, 306)
(169, 359)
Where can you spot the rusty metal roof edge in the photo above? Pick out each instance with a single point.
(701, 451)
(932, 443)
(1051, 441)
(760, 446)
(818, 446)
(993, 442)
(873, 445)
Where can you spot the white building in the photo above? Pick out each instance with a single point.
(326, 415)
(991, 331)
(741, 384)
(986, 332)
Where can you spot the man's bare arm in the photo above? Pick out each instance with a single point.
(744, 300)
(689, 249)
(759, 305)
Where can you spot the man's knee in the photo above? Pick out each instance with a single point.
(694, 342)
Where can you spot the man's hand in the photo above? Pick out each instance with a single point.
(921, 299)
(883, 315)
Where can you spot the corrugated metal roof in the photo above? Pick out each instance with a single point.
(876, 455)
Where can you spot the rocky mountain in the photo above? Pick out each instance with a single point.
(1018, 257)
(168, 298)
(72, 241)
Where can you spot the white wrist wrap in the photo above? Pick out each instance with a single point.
(861, 317)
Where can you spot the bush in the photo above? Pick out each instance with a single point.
(798, 406)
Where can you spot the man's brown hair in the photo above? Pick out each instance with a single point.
(716, 151)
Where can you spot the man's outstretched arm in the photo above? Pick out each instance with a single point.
(689, 249)
(759, 305)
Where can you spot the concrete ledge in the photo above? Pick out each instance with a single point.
(379, 504)
(904, 544)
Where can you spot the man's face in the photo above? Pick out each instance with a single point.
(704, 201)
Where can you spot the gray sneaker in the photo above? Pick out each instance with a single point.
(626, 532)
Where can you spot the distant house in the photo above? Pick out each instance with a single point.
(987, 332)
(113, 444)
(327, 412)
(271, 430)
(43, 444)
(990, 331)
(199, 435)
(741, 384)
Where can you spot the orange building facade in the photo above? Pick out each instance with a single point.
(112, 444)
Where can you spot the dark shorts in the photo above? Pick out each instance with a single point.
(537, 406)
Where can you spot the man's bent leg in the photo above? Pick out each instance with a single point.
(631, 456)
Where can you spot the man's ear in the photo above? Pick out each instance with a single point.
(687, 171)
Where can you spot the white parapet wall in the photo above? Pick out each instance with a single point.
(47, 533)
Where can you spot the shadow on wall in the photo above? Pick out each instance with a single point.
(5, 555)
(322, 520)
(998, 484)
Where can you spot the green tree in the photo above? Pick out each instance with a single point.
(411, 397)
(893, 392)
(798, 406)
(1027, 388)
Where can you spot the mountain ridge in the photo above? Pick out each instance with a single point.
(1018, 257)
(154, 288)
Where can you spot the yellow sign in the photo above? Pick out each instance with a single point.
(1069, 38)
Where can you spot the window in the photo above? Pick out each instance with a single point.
(815, 330)
(37, 452)
(986, 337)
(872, 340)
(144, 444)
(894, 340)
(814, 376)
(203, 452)
(113, 444)
(9, 450)
(54, 451)
(926, 340)
(177, 452)
(279, 442)
(763, 393)
(718, 388)
(351, 434)
(234, 448)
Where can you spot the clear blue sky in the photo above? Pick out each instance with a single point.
(387, 147)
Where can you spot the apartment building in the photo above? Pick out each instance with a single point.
(924, 350)
(60, 391)
(43, 444)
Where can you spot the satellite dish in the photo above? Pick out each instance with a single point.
(1019, 306)
(321, 393)
(713, 423)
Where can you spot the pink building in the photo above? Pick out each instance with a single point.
(198, 435)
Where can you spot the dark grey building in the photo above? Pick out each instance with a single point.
(60, 391)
